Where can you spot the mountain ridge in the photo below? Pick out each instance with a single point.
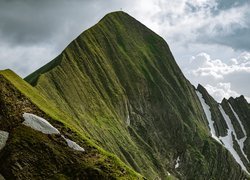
(113, 62)
(118, 84)
(228, 126)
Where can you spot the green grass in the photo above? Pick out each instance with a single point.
(50, 109)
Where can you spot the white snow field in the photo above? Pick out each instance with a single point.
(228, 139)
(207, 111)
(242, 140)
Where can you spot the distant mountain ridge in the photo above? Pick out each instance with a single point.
(118, 87)
(230, 125)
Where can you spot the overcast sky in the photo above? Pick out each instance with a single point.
(210, 39)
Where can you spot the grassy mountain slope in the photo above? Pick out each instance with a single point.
(122, 86)
(30, 154)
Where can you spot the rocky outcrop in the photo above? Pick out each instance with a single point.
(234, 114)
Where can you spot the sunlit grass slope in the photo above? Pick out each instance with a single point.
(14, 92)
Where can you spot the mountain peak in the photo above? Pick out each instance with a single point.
(120, 84)
(115, 32)
(200, 87)
(122, 20)
(116, 14)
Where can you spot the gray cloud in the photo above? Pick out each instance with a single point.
(227, 4)
(25, 22)
(221, 79)
(34, 32)
(238, 38)
(28, 22)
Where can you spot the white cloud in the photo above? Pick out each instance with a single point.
(243, 59)
(221, 90)
(203, 65)
(187, 20)
(221, 79)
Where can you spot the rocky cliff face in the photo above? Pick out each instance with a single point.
(229, 125)
(121, 86)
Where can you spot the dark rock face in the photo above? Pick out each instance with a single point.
(220, 126)
(121, 85)
(234, 114)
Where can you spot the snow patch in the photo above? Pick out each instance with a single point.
(39, 124)
(228, 139)
(242, 140)
(208, 114)
(128, 120)
(3, 138)
(73, 144)
(177, 162)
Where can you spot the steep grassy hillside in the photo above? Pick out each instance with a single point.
(121, 85)
(30, 154)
